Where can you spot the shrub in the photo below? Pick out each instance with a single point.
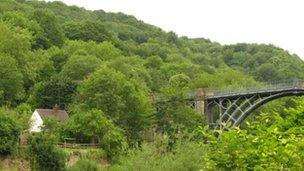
(114, 143)
(9, 131)
(84, 165)
(98, 129)
(185, 155)
(94, 154)
(45, 153)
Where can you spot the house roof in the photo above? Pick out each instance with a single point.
(61, 115)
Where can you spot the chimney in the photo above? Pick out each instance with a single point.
(56, 109)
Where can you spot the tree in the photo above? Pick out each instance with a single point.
(183, 67)
(14, 42)
(37, 67)
(230, 79)
(11, 83)
(173, 38)
(23, 113)
(98, 129)
(103, 51)
(45, 155)
(153, 62)
(9, 131)
(133, 68)
(20, 20)
(152, 49)
(53, 34)
(59, 57)
(176, 115)
(80, 66)
(58, 90)
(267, 72)
(87, 30)
(122, 101)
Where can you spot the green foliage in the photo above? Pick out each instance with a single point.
(133, 68)
(269, 143)
(52, 125)
(45, 155)
(14, 41)
(79, 67)
(9, 131)
(87, 30)
(176, 115)
(98, 129)
(270, 150)
(52, 30)
(58, 90)
(185, 155)
(178, 86)
(24, 112)
(37, 67)
(264, 61)
(93, 154)
(230, 79)
(125, 103)
(11, 83)
(267, 72)
(114, 143)
(152, 49)
(20, 20)
(105, 67)
(83, 164)
(103, 51)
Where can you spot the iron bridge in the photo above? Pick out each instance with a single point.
(234, 106)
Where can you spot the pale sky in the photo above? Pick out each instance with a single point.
(278, 22)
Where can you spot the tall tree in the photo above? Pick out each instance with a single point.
(9, 131)
(11, 83)
(58, 90)
(80, 66)
(87, 30)
(14, 41)
(53, 34)
(121, 100)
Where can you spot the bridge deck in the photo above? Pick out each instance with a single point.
(266, 89)
(293, 85)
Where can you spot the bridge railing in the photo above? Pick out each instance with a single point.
(266, 87)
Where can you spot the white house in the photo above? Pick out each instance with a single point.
(40, 114)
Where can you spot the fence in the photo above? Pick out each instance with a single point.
(77, 145)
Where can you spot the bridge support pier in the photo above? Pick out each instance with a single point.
(200, 101)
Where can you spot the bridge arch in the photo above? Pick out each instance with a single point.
(222, 106)
(266, 100)
(242, 105)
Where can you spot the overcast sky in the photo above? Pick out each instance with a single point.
(278, 22)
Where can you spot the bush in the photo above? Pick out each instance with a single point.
(9, 132)
(98, 129)
(93, 154)
(85, 165)
(114, 143)
(45, 153)
(185, 155)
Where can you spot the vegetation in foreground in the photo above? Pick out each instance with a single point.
(103, 67)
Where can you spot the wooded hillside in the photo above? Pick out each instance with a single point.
(103, 67)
